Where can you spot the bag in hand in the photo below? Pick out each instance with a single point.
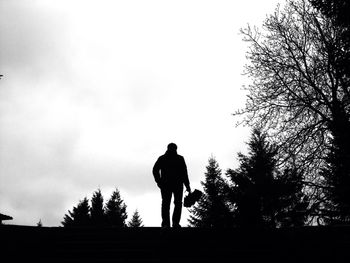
(192, 198)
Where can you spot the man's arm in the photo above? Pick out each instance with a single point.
(156, 171)
(185, 174)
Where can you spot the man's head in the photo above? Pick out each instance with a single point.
(172, 147)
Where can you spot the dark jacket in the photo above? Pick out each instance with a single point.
(170, 170)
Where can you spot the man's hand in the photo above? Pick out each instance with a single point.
(159, 185)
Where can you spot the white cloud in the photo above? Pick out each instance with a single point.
(95, 90)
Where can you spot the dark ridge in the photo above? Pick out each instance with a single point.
(58, 244)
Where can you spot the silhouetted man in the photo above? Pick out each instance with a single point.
(170, 174)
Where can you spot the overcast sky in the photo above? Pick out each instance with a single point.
(93, 91)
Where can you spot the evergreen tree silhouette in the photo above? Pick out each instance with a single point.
(97, 210)
(116, 210)
(336, 172)
(39, 224)
(136, 220)
(292, 204)
(79, 216)
(212, 210)
(262, 195)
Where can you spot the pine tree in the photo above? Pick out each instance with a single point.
(97, 210)
(79, 216)
(262, 195)
(136, 220)
(292, 203)
(212, 210)
(116, 210)
(39, 224)
(336, 173)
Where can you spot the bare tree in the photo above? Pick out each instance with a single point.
(299, 93)
(337, 171)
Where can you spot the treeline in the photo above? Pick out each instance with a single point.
(99, 214)
(299, 95)
(297, 170)
(257, 194)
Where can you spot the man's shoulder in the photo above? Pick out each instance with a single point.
(165, 156)
(161, 157)
(180, 157)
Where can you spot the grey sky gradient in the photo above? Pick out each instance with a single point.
(93, 91)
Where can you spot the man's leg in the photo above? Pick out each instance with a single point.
(178, 192)
(166, 199)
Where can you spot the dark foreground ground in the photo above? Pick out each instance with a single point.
(55, 244)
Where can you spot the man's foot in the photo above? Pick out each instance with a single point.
(165, 226)
(177, 226)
